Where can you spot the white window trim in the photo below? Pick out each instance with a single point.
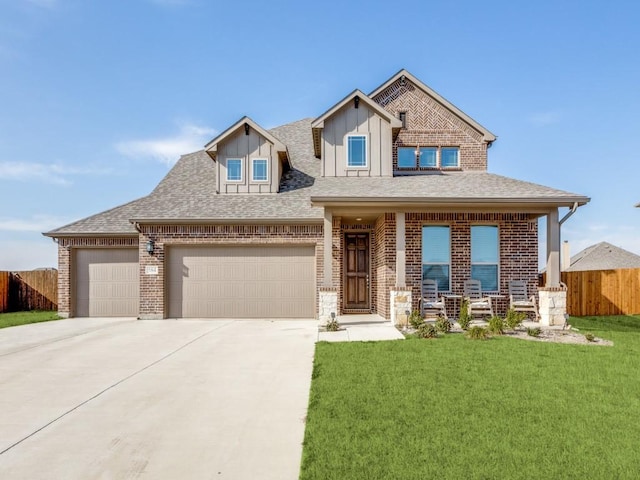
(439, 157)
(241, 170)
(253, 179)
(471, 262)
(366, 151)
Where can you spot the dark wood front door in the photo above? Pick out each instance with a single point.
(356, 271)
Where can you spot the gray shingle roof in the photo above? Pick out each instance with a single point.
(188, 192)
(603, 256)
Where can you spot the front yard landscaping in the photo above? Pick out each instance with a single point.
(452, 408)
(22, 318)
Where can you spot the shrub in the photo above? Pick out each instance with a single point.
(590, 337)
(465, 318)
(533, 332)
(415, 319)
(496, 325)
(426, 330)
(478, 333)
(332, 325)
(443, 325)
(514, 319)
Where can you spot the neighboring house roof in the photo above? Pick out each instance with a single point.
(603, 256)
(488, 136)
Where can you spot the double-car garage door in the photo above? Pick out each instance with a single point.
(265, 281)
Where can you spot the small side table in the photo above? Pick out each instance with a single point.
(456, 301)
(496, 300)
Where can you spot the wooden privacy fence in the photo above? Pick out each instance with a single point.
(29, 290)
(602, 292)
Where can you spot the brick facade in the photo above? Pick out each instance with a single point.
(429, 124)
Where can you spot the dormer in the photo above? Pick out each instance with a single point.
(355, 138)
(248, 159)
(435, 135)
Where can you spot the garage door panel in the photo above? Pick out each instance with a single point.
(107, 283)
(242, 282)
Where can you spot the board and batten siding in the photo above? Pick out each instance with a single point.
(351, 120)
(246, 148)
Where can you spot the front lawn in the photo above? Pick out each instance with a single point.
(453, 408)
(22, 318)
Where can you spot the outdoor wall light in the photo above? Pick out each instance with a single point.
(150, 247)
(356, 101)
(246, 129)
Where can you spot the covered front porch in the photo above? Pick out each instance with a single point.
(376, 262)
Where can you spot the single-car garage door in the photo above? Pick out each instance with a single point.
(106, 282)
(241, 282)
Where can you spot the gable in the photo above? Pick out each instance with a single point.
(428, 110)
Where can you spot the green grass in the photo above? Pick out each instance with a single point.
(455, 408)
(22, 318)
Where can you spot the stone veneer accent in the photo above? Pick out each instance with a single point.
(553, 305)
(327, 304)
(400, 303)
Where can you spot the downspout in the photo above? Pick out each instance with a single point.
(569, 213)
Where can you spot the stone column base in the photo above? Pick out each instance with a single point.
(400, 298)
(553, 305)
(327, 303)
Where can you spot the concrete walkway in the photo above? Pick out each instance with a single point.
(119, 399)
(361, 328)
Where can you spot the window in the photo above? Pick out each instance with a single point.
(234, 170)
(449, 157)
(436, 256)
(428, 157)
(356, 151)
(406, 157)
(259, 170)
(484, 256)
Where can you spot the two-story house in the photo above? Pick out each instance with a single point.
(344, 213)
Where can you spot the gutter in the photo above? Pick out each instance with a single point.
(569, 213)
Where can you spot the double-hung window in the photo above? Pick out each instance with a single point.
(234, 169)
(485, 256)
(356, 151)
(436, 255)
(259, 170)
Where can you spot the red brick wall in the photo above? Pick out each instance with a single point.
(429, 124)
(384, 261)
(518, 237)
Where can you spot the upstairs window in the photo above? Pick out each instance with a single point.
(436, 255)
(427, 157)
(259, 170)
(484, 256)
(449, 157)
(356, 151)
(234, 170)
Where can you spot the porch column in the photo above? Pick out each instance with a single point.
(553, 249)
(401, 256)
(327, 293)
(328, 247)
(553, 297)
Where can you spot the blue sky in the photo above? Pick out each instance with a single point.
(99, 99)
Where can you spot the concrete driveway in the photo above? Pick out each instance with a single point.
(117, 399)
